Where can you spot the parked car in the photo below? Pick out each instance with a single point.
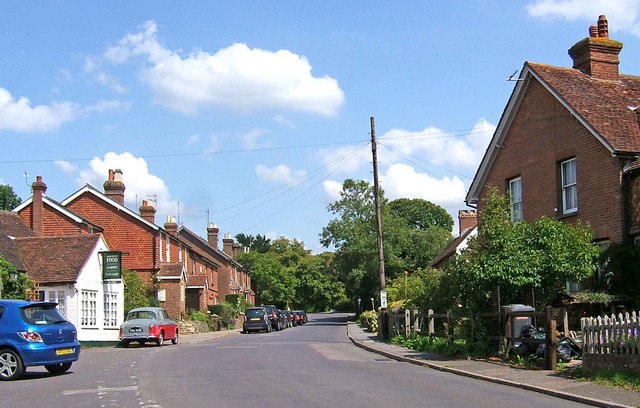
(276, 320)
(288, 318)
(35, 334)
(256, 319)
(302, 314)
(295, 318)
(284, 318)
(148, 324)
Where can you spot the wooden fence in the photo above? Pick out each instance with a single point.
(611, 334)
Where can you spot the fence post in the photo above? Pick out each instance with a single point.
(416, 322)
(407, 322)
(430, 322)
(551, 340)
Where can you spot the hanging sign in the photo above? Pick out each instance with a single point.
(111, 265)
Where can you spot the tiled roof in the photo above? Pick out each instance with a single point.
(56, 259)
(11, 225)
(170, 270)
(197, 281)
(603, 104)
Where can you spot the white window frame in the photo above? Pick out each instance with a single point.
(568, 176)
(168, 249)
(515, 199)
(111, 309)
(89, 308)
(60, 297)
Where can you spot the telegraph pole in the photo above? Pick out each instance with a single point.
(376, 195)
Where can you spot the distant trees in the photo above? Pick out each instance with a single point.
(414, 232)
(13, 284)
(8, 198)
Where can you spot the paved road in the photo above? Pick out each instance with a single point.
(313, 365)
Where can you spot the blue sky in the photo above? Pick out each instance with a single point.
(251, 114)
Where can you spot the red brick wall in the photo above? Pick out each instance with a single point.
(542, 135)
(55, 224)
(122, 232)
(175, 302)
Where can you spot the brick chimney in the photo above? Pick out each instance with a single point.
(147, 211)
(597, 55)
(37, 208)
(171, 226)
(227, 245)
(467, 219)
(212, 235)
(114, 187)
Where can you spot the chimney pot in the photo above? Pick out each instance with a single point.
(114, 187)
(597, 55)
(593, 31)
(603, 27)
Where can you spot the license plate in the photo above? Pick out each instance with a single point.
(255, 319)
(64, 351)
(136, 330)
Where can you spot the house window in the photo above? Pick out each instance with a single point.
(110, 309)
(168, 254)
(569, 186)
(89, 307)
(60, 297)
(515, 197)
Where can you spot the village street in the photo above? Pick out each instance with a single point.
(313, 365)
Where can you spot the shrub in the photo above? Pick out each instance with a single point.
(345, 305)
(369, 319)
(226, 313)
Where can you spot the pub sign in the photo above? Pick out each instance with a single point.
(111, 265)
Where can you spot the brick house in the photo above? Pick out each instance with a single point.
(568, 141)
(67, 270)
(168, 263)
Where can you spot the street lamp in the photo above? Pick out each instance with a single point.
(359, 301)
(373, 305)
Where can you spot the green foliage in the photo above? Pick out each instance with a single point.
(415, 231)
(226, 312)
(617, 378)
(432, 344)
(419, 288)
(318, 286)
(259, 243)
(275, 283)
(13, 288)
(620, 278)
(8, 198)
(369, 319)
(515, 257)
(344, 305)
(136, 292)
(587, 296)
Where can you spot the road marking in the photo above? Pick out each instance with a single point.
(100, 390)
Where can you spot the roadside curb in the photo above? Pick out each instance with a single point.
(541, 390)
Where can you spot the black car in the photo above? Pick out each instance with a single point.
(256, 319)
(302, 314)
(276, 319)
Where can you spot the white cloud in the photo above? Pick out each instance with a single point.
(623, 15)
(18, 114)
(92, 67)
(402, 181)
(332, 190)
(66, 166)
(284, 121)
(107, 106)
(237, 78)
(193, 139)
(139, 183)
(251, 139)
(279, 174)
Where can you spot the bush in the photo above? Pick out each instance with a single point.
(369, 319)
(226, 312)
(433, 344)
(345, 305)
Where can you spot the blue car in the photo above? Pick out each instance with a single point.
(35, 334)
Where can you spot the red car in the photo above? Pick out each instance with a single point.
(148, 324)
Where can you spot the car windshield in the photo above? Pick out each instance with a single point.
(141, 314)
(42, 315)
(255, 312)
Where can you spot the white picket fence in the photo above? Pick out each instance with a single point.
(611, 334)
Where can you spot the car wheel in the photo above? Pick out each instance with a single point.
(160, 339)
(124, 344)
(11, 366)
(175, 339)
(57, 369)
(268, 328)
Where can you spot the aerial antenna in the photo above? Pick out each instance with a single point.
(513, 77)
(26, 179)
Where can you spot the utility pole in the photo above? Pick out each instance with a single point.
(376, 195)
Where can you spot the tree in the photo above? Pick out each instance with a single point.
(318, 286)
(136, 293)
(259, 243)
(421, 214)
(8, 198)
(414, 233)
(13, 284)
(541, 255)
(276, 284)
